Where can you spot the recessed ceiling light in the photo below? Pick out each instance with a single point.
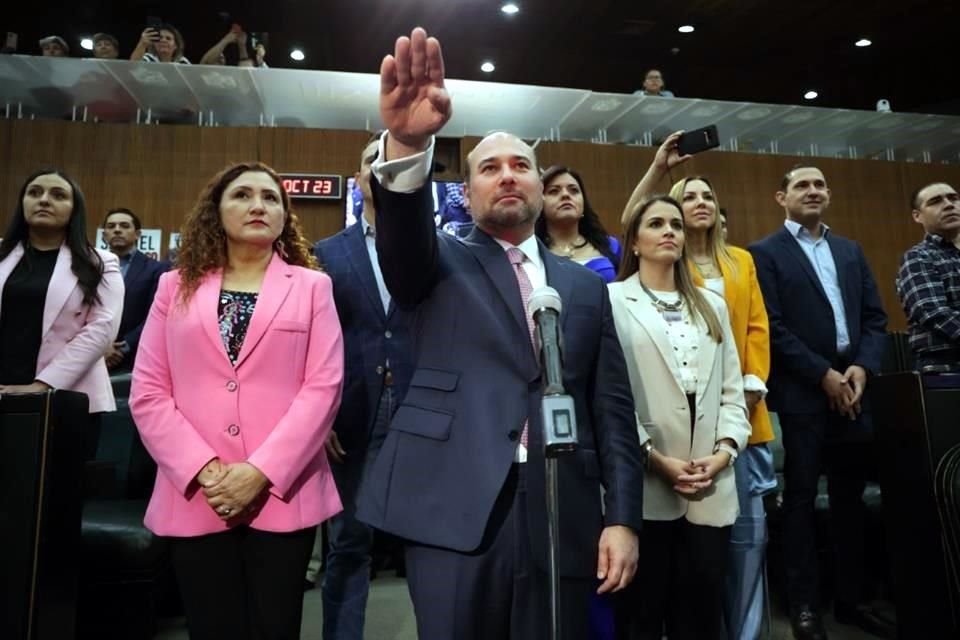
(687, 28)
(487, 67)
(810, 95)
(863, 42)
(297, 55)
(510, 8)
(87, 43)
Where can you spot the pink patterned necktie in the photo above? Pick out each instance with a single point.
(516, 259)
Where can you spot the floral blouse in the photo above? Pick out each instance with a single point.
(235, 310)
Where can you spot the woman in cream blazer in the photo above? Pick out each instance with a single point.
(692, 420)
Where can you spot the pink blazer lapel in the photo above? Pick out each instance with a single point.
(207, 301)
(276, 286)
(61, 286)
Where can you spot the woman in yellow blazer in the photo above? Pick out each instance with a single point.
(692, 421)
(730, 272)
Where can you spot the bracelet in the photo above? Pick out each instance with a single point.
(647, 448)
(731, 451)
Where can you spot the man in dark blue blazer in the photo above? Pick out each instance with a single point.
(121, 233)
(377, 358)
(460, 474)
(827, 329)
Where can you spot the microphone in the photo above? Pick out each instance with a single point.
(559, 412)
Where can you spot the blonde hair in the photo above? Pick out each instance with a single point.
(682, 278)
(716, 246)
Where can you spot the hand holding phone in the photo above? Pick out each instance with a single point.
(691, 142)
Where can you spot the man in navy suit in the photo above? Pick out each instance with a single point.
(827, 329)
(121, 233)
(377, 356)
(460, 475)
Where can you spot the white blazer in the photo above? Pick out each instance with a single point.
(663, 413)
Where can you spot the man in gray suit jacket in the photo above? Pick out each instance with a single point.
(460, 475)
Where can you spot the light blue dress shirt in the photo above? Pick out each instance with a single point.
(821, 258)
(370, 238)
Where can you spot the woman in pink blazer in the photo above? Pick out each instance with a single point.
(60, 299)
(236, 384)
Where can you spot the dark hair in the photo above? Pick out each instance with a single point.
(915, 196)
(136, 221)
(589, 224)
(203, 241)
(682, 278)
(85, 262)
(788, 176)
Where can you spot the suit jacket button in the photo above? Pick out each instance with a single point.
(388, 334)
(379, 370)
(512, 435)
(231, 386)
(233, 430)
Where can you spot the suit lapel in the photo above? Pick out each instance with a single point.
(276, 285)
(138, 262)
(643, 311)
(495, 263)
(62, 283)
(792, 247)
(208, 306)
(359, 258)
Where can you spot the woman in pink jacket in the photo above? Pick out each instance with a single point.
(236, 384)
(60, 299)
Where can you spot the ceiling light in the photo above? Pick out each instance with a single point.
(687, 28)
(487, 67)
(510, 8)
(297, 55)
(87, 43)
(810, 95)
(863, 42)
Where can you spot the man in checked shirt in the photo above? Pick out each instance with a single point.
(928, 282)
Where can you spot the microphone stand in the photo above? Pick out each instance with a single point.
(559, 438)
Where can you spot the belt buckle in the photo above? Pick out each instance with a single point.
(388, 378)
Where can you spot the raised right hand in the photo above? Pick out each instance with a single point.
(414, 103)
(668, 156)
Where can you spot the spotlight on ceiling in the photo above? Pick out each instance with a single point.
(487, 67)
(87, 43)
(810, 95)
(297, 55)
(687, 28)
(863, 42)
(510, 8)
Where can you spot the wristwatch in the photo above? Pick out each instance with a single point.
(732, 451)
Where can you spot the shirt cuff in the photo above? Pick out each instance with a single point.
(404, 175)
(753, 383)
(124, 348)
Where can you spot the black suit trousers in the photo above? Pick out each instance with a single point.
(810, 448)
(497, 591)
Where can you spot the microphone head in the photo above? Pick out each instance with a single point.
(544, 298)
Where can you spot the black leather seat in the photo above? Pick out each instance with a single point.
(123, 563)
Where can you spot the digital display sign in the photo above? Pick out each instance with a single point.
(313, 186)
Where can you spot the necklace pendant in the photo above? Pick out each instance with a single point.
(672, 315)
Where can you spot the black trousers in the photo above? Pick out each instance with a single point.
(810, 447)
(243, 584)
(679, 584)
(496, 592)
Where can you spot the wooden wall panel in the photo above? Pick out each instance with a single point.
(158, 171)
